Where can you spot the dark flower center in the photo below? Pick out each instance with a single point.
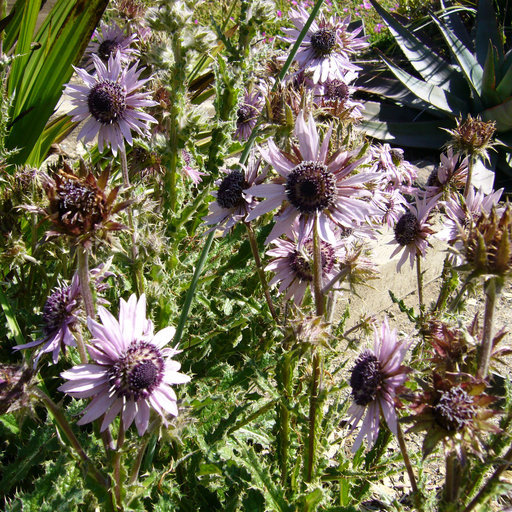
(311, 187)
(301, 266)
(107, 102)
(79, 205)
(230, 190)
(366, 378)
(433, 179)
(246, 113)
(107, 48)
(455, 409)
(336, 90)
(323, 41)
(407, 229)
(138, 373)
(55, 311)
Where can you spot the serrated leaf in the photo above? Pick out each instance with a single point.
(429, 65)
(428, 92)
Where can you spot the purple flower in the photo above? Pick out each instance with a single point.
(335, 97)
(396, 171)
(232, 203)
(59, 316)
(110, 40)
(451, 173)
(108, 102)
(247, 115)
(412, 231)
(325, 50)
(315, 188)
(133, 372)
(293, 265)
(375, 380)
(189, 171)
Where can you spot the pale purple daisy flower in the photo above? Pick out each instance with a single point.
(132, 371)
(59, 315)
(335, 97)
(412, 231)
(315, 187)
(325, 50)
(61, 312)
(375, 380)
(452, 173)
(109, 103)
(111, 39)
(391, 205)
(396, 171)
(461, 212)
(190, 172)
(232, 204)
(293, 264)
(247, 114)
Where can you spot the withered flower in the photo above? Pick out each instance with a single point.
(488, 243)
(472, 136)
(14, 381)
(80, 207)
(453, 410)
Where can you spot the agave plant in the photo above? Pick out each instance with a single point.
(477, 80)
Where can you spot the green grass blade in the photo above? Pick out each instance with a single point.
(12, 30)
(11, 318)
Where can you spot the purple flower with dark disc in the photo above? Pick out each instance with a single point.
(232, 204)
(132, 371)
(111, 39)
(326, 49)
(293, 265)
(109, 103)
(315, 187)
(59, 315)
(247, 114)
(412, 231)
(375, 380)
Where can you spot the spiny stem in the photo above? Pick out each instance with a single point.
(452, 478)
(65, 427)
(261, 272)
(419, 277)
(492, 290)
(317, 273)
(118, 487)
(85, 289)
(485, 491)
(405, 456)
(445, 290)
(139, 280)
(467, 187)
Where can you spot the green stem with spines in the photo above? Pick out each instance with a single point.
(87, 297)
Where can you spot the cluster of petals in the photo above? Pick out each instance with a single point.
(348, 205)
(130, 345)
(389, 354)
(109, 103)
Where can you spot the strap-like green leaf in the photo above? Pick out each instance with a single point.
(489, 95)
(63, 37)
(486, 30)
(465, 59)
(428, 92)
(504, 88)
(432, 68)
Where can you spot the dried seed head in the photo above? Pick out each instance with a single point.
(472, 136)
(455, 409)
(488, 245)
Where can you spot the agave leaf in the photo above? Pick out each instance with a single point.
(502, 114)
(486, 30)
(393, 89)
(465, 59)
(432, 68)
(63, 36)
(504, 88)
(454, 23)
(489, 94)
(429, 93)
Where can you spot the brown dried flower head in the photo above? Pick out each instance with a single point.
(80, 207)
(472, 136)
(488, 243)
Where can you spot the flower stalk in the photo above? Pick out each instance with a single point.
(405, 456)
(452, 483)
(419, 276)
(471, 164)
(85, 288)
(261, 273)
(118, 487)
